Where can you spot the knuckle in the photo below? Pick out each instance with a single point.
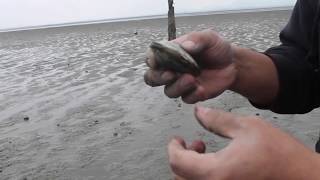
(250, 122)
(195, 35)
(201, 94)
(189, 78)
(208, 33)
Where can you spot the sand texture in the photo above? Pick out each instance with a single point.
(73, 104)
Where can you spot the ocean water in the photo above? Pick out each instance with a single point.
(148, 17)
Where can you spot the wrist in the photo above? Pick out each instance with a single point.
(242, 67)
(236, 54)
(256, 76)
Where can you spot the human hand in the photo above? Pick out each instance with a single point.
(218, 72)
(257, 151)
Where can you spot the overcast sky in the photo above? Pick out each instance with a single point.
(24, 13)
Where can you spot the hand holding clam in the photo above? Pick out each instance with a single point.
(196, 67)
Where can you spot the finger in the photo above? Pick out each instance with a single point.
(158, 78)
(195, 146)
(183, 85)
(183, 162)
(180, 141)
(195, 96)
(217, 121)
(198, 146)
(196, 42)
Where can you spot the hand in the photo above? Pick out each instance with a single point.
(257, 151)
(218, 72)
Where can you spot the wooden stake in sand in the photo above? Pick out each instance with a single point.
(171, 21)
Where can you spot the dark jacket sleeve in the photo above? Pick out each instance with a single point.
(299, 83)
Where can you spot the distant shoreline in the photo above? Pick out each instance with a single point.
(145, 18)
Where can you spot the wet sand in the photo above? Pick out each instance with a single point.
(73, 104)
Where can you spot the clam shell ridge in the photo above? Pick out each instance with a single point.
(171, 56)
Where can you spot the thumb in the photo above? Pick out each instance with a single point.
(219, 122)
(196, 42)
(185, 163)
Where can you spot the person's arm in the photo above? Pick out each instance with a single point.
(280, 79)
(256, 151)
(298, 88)
(283, 81)
(257, 77)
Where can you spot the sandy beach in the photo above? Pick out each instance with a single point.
(73, 104)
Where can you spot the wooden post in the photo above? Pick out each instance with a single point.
(171, 21)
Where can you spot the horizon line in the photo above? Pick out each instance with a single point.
(137, 18)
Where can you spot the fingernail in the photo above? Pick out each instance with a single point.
(180, 140)
(188, 45)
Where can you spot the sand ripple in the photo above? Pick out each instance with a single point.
(73, 104)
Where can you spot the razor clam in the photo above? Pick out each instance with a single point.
(171, 56)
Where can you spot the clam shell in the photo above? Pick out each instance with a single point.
(171, 56)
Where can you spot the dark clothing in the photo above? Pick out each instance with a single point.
(297, 61)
